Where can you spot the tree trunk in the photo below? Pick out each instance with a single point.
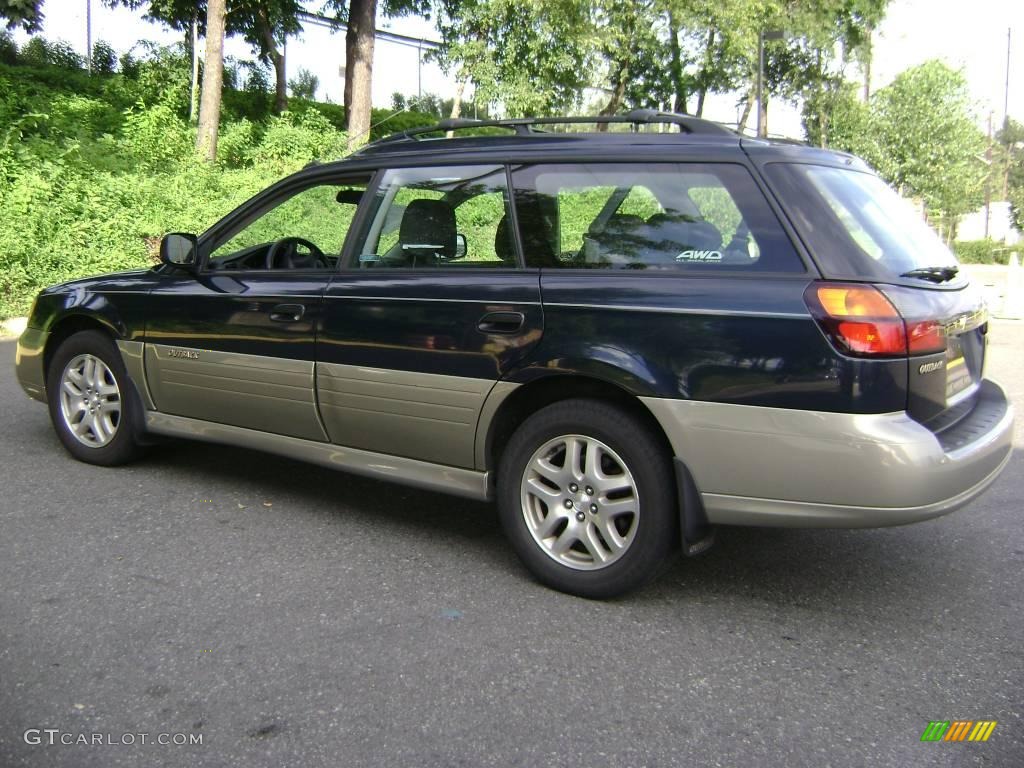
(618, 94)
(359, 41)
(764, 115)
(868, 53)
(676, 65)
(266, 33)
(703, 93)
(741, 125)
(460, 87)
(213, 81)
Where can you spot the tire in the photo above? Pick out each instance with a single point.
(623, 521)
(94, 407)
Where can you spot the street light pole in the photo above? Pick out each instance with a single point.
(760, 78)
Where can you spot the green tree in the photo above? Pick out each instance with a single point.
(104, 59)
(931, 145)
(264, 24)
(305, 85)
(919, 134)
(531, 56)
(27, 14)
(1010, 165)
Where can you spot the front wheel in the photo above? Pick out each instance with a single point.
(586, 498)
(93, 407)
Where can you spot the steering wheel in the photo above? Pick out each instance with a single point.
(284, 253)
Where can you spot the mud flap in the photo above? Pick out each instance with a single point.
(696, 534)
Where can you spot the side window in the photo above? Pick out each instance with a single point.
(306, 230)
(439, 217)
(662, 216)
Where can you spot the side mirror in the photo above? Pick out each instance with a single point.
(179, 250)
(461, 247)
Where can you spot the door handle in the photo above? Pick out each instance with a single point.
(287, 313)
(501, 322)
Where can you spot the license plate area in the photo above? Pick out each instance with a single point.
(958, 373)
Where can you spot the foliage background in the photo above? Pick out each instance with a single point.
(94, 169)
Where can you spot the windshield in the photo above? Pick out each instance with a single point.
(856, 226)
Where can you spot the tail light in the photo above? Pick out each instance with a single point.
(861, 321)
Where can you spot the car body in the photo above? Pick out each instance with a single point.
(715, 329)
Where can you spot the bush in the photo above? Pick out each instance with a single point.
(156, 136)
(305, 85)
(104, 60)
(298, 139)
(236, 142)
(981, 252)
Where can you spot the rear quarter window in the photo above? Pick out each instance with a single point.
(651, 216)
(855, 225)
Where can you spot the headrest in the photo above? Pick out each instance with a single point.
(679, 231)
(428, 226)
(503, 245)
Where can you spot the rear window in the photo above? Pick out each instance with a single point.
(855, 225)
(653, 216)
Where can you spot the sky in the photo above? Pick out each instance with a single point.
(968, 35)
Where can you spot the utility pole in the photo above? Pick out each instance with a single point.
(1006, 118)
(760, 79)
(988, 176)
(193, 106)
(88, 35)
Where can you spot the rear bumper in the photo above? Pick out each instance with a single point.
(28, 363)
(790, 468)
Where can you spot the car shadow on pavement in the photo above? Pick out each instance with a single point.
(816, 567)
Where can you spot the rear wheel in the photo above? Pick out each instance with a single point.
(586, 498)
(93, 406)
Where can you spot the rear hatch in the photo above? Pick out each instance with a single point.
(904, 294)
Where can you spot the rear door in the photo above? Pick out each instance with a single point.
(431, 312)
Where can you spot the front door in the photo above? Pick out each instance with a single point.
(234, 344)
(431, 312)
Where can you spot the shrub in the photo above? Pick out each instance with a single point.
(156, 136)
(165, 77)
(981, 252)
(83, 117)
(304, 85)
(297, 139)
(236, 142)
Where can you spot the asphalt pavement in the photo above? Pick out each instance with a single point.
(289, 615)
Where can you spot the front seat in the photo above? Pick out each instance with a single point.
(504, 247)
(427, 233)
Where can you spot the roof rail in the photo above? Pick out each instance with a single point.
(526, 126)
